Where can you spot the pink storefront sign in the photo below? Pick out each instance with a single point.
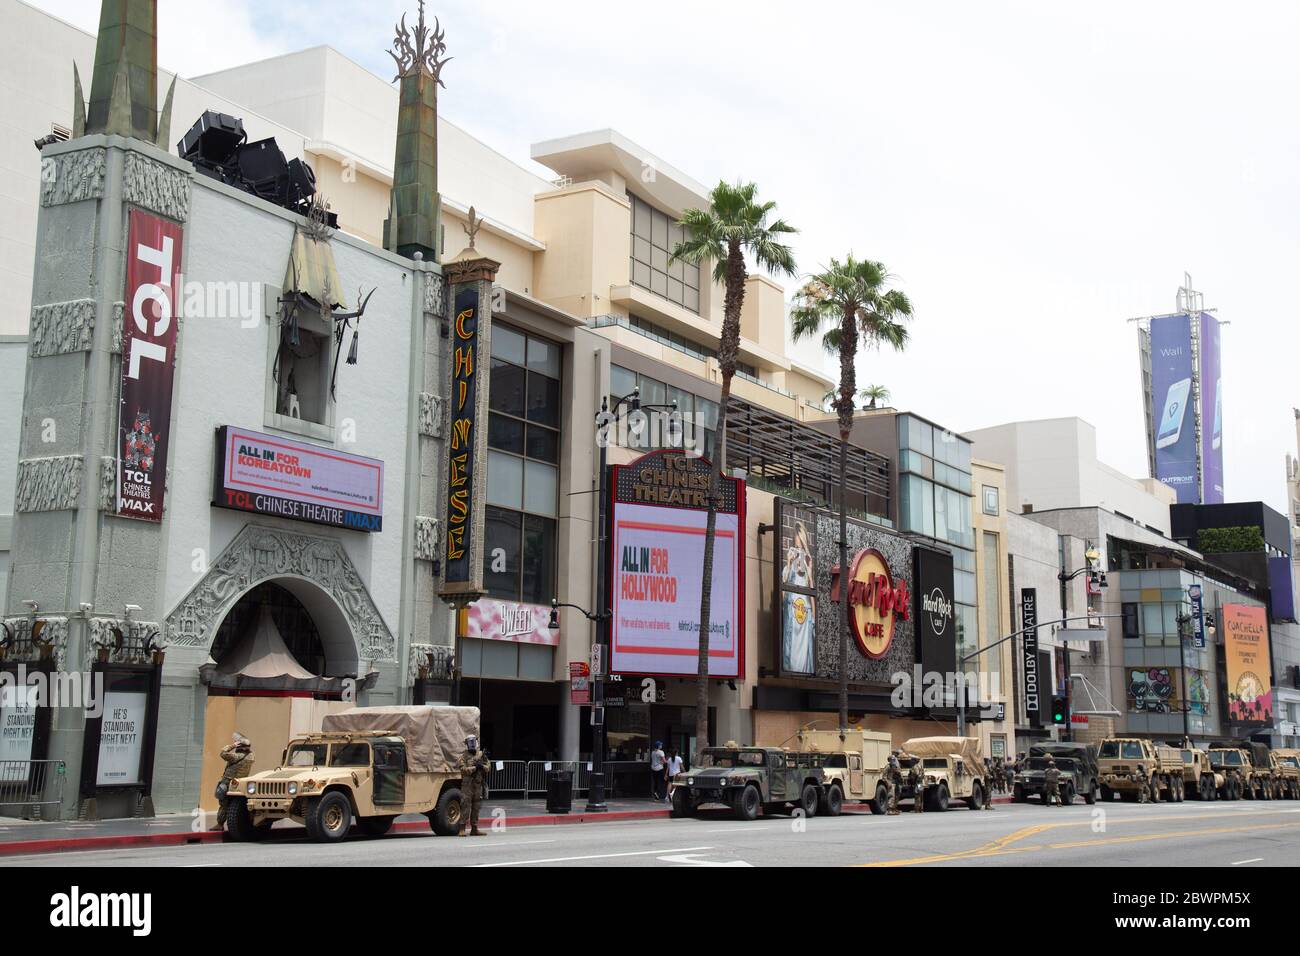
(491, 620)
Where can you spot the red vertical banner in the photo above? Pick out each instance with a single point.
(153, 266)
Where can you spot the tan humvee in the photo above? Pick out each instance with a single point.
(954, 770)
(851, 767)
(369, 765)
(1129, 764)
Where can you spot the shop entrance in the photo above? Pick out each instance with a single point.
(518, 720)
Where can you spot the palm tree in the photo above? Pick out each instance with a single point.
(734, 226)
(851, 298)
(874, 393)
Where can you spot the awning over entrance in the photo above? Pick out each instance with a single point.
(261, 661)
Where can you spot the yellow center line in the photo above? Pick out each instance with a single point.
(1002, 846)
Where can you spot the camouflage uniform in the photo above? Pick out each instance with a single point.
(988, 793)
(239, 763)
(1052, 784)
(916, 777)
(893, 779)
(1144, 788)
(473, 769)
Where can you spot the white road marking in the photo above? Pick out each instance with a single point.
(598, 856)
(692, 859)
(194, 866)
(1255, 860)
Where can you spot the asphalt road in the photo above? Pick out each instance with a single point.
(1117, 835)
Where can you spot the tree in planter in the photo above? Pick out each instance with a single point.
(734, 227)
(869, 396)
(852, 301)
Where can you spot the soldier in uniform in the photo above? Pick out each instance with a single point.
(238, 755)
(1144, 785)
(893, 779)
(988, 792)
(473, 767)
(916, 778)
(1052, 783)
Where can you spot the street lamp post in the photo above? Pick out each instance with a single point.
(605, 418)
(1092, 555)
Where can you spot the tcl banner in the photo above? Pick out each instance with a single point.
(657, 567)
(153, 266)
(272, 475)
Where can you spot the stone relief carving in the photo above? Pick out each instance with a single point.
(435, 292)
(73, 177)
(48, 484)
(426, 538)
(430, 415)
(53, 635)
(119, 314)
(259, 554)
(101, 633)
(62, 327)
(108, 484)
(154, 186)
(438, 657)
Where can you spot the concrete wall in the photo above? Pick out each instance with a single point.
(13, 371)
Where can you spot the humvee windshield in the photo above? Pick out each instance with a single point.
(934, 763)
(328, 755)
(307, 755)
(1225, 758)
(1117, 749)
(350, 755)
(1289, 761)
(732, 758)
(1040, 763)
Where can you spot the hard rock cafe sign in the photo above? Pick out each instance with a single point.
(876, 601)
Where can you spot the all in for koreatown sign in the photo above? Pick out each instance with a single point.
(153, 266)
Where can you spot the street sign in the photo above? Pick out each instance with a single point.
(579, 683)
(598, 660)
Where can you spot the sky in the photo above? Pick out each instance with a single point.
(1033, 175)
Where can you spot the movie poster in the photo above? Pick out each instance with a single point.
(798, 604)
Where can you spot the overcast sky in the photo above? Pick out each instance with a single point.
(1034, 174)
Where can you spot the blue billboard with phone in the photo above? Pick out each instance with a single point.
(1211, 411)
(1171, 403)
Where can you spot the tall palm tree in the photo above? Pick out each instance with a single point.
(853, 301)
(734, 227)
(874, 393)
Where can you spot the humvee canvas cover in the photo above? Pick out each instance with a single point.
(967, 749)
(435, 736)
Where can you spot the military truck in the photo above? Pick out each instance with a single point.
(1122, 761)
(1078, 766)
(746, 780)
(954, 770)
(1286, 767)
(1232, 764)
(1200, 780)
(368, 765)
(852, 767)
(1265, 784)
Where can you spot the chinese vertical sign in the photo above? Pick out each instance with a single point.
(153, 265)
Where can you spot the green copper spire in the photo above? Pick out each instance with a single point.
(124, 85)
(412, 224)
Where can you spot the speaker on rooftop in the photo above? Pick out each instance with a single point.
(213, 139)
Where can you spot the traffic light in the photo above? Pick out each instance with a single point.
(1060, 712)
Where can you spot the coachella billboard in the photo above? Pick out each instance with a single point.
(656, 558)
(1249, 667)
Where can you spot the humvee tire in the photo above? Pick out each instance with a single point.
(1020, 795)
(832, 805)
(329, 817)
(681, 803)
(239, 822)
(375, 826)
(1067, 795)
(808, 800)
(446, 818)
(880, 804)
(1091, 796)
(747, 803)
(1107, 795)
(975, 800)
(936, 798)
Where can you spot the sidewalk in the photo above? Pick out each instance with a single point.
(21, 837)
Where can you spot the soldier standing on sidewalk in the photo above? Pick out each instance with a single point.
(916, 778)
(1052, 784)
(893, 780)
(473, 767)
(238, 755)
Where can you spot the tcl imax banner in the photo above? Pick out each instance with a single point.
(656, 560)
(153, 265)
(271, 475)
(1249, 668)
(1174, 426)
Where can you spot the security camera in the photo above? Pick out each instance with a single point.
(86, 607)
(33, 605)
(130, 609)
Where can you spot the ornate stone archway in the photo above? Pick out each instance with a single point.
(260, 554)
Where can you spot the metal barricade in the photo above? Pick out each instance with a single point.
(508, 776)
(537, 770)
(31, 789)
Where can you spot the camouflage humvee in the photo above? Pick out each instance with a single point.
(954, 770)
(1078, 766)
(369, 765)
(745, 780)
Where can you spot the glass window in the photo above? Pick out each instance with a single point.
(654, 237)
(506, 387)
(653, 392)
(544, 400)
(507, 344)
(539, 560)
(505, 480)
(501, 556)
(543, 444)
(544, 357)
(506, 434)
(541, 487)
(621, 382)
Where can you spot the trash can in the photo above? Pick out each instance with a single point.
(559, 791)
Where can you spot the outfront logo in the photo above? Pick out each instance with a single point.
(876, 601)
(939, 608)
(75, 909)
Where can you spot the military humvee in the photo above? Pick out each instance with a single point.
(1124, 762)
(954, 770)
(851, 767)
(1286, 767)
(369, 765)
(745, 780)
(1199, 778)
(1077, 764)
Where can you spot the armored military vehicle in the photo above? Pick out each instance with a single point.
(954, 770)
(1128, 764)
(368, 765)
(1200, 780)
(1077, 763)
(851, 767)
(746, 780)
(1286, 768)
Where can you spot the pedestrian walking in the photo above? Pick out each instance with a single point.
(473, 767)
(675, 764)
(238, 755)
(658, 771)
